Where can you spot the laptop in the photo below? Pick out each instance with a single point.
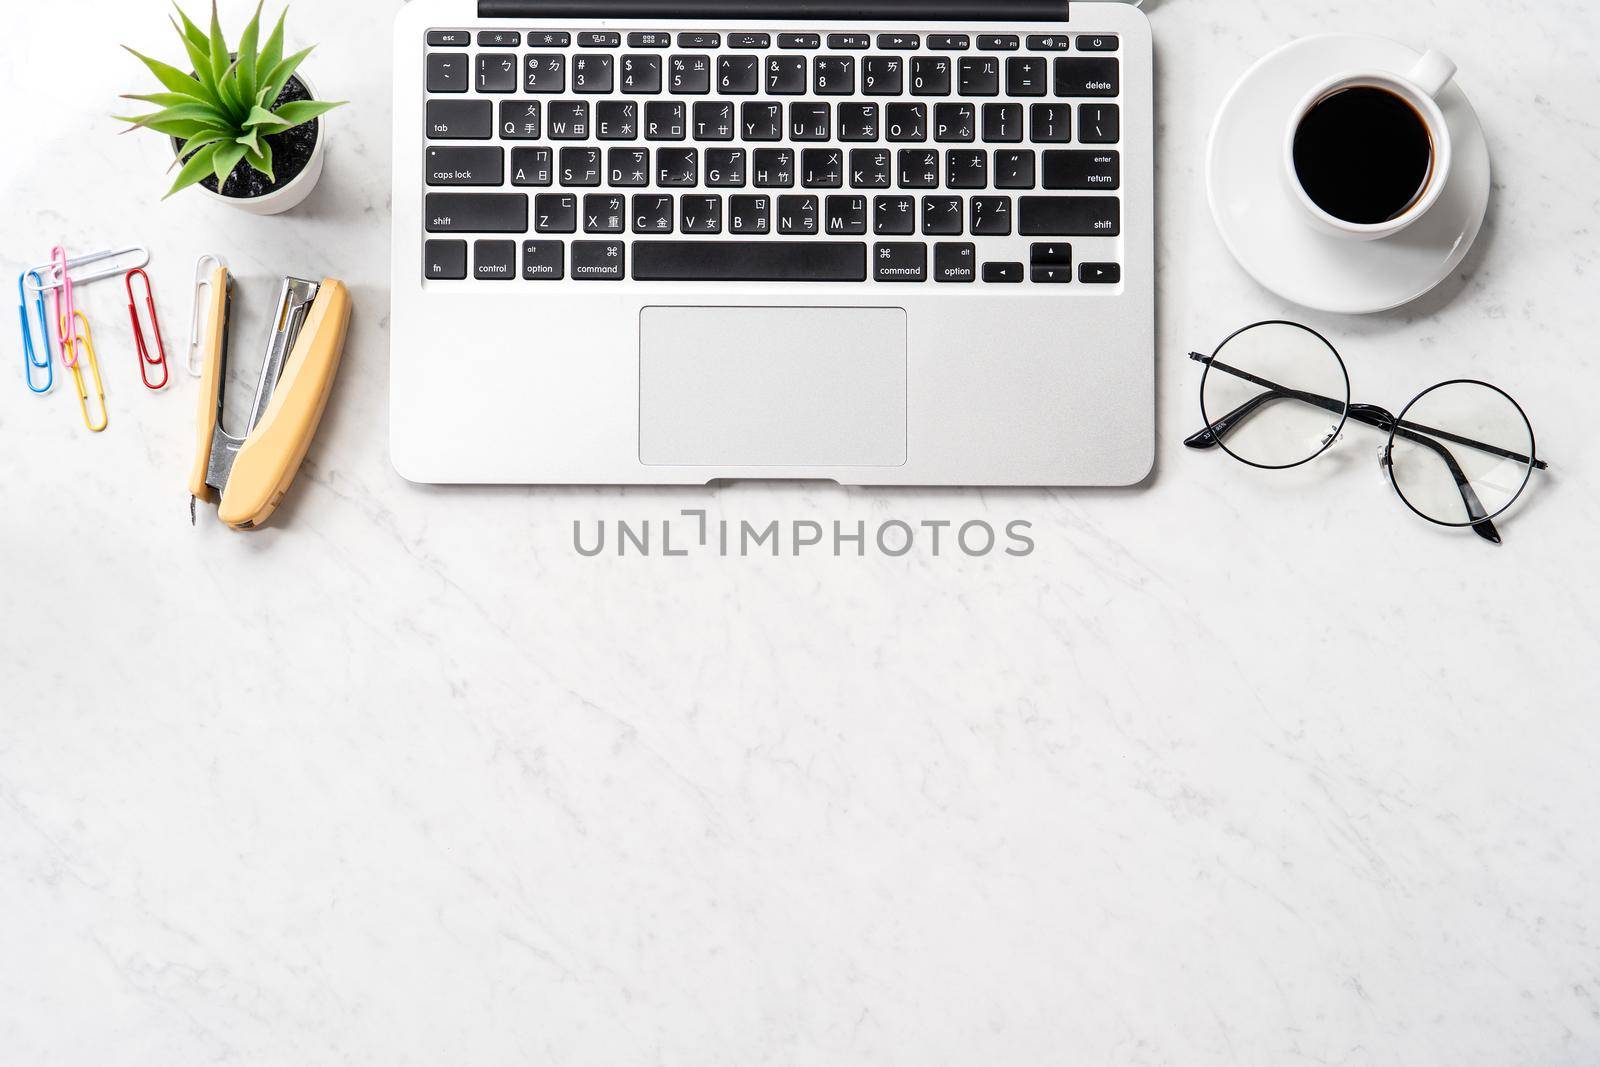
(863, 241)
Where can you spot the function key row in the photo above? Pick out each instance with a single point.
(889, 42)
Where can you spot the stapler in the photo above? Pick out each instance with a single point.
(248, 476)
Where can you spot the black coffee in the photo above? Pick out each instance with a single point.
(1363, 155)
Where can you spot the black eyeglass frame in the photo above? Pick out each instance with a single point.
(1480, 520)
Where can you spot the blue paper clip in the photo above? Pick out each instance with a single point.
(30, 351)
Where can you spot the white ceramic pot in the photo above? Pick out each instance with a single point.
(289, 196)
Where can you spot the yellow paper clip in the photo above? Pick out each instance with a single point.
(83, 347)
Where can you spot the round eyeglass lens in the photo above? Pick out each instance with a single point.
(1275, 395)
(1463, 452)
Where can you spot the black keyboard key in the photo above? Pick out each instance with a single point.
(738, 75)
(858, 122)
(797, 215)
(699, 40)
(749, 214)
(449, 39)
(1051, 254)
(689, 75)
(605, 213)
(476, 212)
(628, 168)
(1082, 169)
(569, 120)
(900, 261)
(1100, 273)
(652, 213)
(955, 123)
(919, 168)
(599, 261)
(943, 216)
(444, 261)
(949, 42)
(497, 73)
(899, 42)
(1049, 42)
(593, 74)
(953, 262)
(1052, 123)
(1002, 123)
(966, 168)
(617, 120)
(499, 39)
(810, 122)
(1044, 274)
(773, 168)
(725, 168)
(533, 167)
(991, 216)
(799, 40)
(549, 39)
(461, 120)
(600, 39)
(494, 260)
(978, 76)
(907, 123)
(930, 76)
(713, 120)
(871, 168)
(666, 120)
(476, 165)
(447, 72)
(543, 261)
(519, 120)
(1015, 169)
(700, 215)
(894, 216)
(555, 213)
(579, 167)
(1070, 216)
(847, 216)
(640, 75)
(1086, 76)
(649, 39)
(761, 121)
(786, 75)
(750, 261)
(544, 74)
(677, 168)
(749, 40)
(998, 42)
(835, 75)
(883, 76)
(822, 168)
(1007, 273)
(1027, 76)
(1098, 42)
(1099, 124)
(849, 41)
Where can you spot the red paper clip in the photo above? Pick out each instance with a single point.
(145, 362)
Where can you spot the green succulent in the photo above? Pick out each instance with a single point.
(224, 112)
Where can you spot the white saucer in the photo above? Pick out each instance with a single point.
(1265, 228)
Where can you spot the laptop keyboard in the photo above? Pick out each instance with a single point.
(882, 158)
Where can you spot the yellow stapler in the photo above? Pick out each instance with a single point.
(248, 476)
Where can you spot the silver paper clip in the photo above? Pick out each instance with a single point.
(203, 268)
(48, 276)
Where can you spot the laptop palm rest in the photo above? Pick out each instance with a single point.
(772, 387)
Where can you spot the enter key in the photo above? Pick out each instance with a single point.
(1082, 169)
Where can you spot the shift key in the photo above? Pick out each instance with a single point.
(477, 212)
(1069, 216)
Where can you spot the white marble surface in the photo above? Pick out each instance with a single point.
(1236, 769)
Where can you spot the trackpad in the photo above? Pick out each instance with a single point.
(772, 387)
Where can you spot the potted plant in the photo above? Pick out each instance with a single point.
(244, 125)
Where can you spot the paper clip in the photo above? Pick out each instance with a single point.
(31, 363)
(203, 269)
(82, 336)
(145, 362)
(51, 274)
(65, 306)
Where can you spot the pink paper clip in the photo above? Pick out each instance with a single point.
(65, 307)
(145, 362)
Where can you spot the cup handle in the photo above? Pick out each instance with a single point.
(1432, 72)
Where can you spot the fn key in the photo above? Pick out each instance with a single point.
(444, 261)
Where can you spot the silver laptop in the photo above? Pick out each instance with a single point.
(878, 243)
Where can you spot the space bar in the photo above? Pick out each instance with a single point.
(749, 261)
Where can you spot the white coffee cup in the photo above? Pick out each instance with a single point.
(1419, 88)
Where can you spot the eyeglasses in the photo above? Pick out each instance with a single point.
(1276, 395)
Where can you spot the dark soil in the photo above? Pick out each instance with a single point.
(291, 151)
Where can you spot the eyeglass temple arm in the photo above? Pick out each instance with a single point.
(1367, 414)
